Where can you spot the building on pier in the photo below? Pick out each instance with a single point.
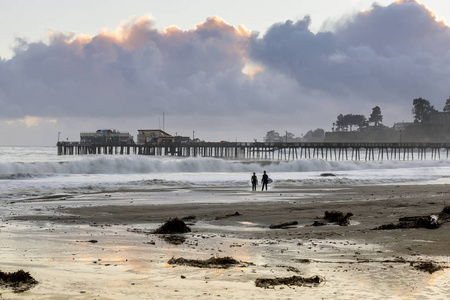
(103, 136)
(158, 136)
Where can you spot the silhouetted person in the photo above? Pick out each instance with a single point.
(254, 181)
(265, 180)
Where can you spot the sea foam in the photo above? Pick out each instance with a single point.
(135, 164)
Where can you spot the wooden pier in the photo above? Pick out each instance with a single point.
(269, 151)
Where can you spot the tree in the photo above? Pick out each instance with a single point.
(340, 123)
(289, 137)
(358, 120)
(422, 110)
(375, 116)
(317, 135)
(272, 136)
(447, 105)
(343, 122)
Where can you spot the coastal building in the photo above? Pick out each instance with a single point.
(401, 126)
(146, 136)
(158, 136)
(440, 117)
(103, 136)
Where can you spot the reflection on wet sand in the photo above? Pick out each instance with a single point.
(128, 260)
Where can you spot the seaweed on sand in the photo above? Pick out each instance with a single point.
(313, 281)
(213, 262)
(428, 267)
(19, 281)
(174, 225)
(174, 239)
(338, 217)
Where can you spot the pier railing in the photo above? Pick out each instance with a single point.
(268, 151)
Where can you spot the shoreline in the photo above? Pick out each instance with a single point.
(127, 249)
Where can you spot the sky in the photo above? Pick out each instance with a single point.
(216, 70)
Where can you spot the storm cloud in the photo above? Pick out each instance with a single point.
(383, 56)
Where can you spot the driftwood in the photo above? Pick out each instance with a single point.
(283, 225)
(290, 281)
(213, 262)
(318, 223)
(444, 215)
(430, 222)
(236, 214)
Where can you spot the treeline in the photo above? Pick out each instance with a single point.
(422, 111)
(346, 122)
(317, 135)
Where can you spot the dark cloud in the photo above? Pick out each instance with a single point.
(293, 49)
(404, 27)
(381, 55)
(384, 56)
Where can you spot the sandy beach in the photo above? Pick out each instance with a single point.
(102, 246)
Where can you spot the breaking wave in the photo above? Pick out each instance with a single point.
(146, 164)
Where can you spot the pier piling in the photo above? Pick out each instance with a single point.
(268, 151)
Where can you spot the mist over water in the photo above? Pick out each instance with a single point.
(34, 171)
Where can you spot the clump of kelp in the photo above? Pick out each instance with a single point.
(19, 281)
(313, 281)
(336, 217)
(213, 262)
(429, 267)
(173, 225)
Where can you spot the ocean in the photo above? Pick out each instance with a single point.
(102, 253)
(36, 172)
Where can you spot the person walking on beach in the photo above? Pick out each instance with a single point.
(254, 181)
(265, 180)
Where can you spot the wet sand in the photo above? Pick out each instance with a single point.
(50, 239)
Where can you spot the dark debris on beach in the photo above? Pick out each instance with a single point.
(173, 225)
(433, 221)
(283, 225)
(236, 214)
(19, 281)
(213, 262)
(313, 281)
(336, 217)
(427, 267)
(174, 239)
